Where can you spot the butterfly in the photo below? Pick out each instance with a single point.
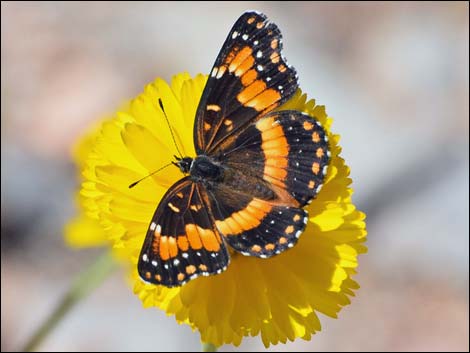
(255, 169)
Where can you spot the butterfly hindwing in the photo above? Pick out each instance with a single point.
(182, 241)
(253, 226)
(249, 78)
(274, 166)
(287, 149)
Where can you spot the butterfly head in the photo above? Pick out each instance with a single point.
(184, 164)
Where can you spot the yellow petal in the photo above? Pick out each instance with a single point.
(84, 232)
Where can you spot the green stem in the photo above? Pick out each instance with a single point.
(84, 283)
(208, 347)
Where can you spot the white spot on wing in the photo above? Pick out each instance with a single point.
(259, 68)
(154, 263)
(173, 207)
(259, 54)
(245, 36)
(145, 258)
(159, 228)
(220, 73)
(176, 262)
(153, 226)
(185, 255)
(255, 42)
(319, 187)
(234, 35)
(297, 234)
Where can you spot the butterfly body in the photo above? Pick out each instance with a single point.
(254, 171)
(205, 169)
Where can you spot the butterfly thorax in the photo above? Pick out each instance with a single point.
(202, 168)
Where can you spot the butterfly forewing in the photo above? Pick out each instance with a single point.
(249, 78)
(182, 241)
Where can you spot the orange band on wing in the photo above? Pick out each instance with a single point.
(274, 172)
(168, 247)
(242, 61)
(276, 151)
(201, 237)
(245, 66)
(193, 236)
(183, 243)
(248, 77)
(264, 100)
(248, 218)
(209, 239)
(251, 91)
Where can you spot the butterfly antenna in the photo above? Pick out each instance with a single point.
(138, 181)
(169, 126)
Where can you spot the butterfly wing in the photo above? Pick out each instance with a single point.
(249, 78)
(286, 149)
(283, 157)
(182, 241)
(254, 226)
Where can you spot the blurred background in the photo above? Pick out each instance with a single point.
(395, 77)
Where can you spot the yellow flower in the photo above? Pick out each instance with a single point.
(277, 298)
(85, 231)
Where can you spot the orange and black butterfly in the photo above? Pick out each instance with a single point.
(254, 171)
